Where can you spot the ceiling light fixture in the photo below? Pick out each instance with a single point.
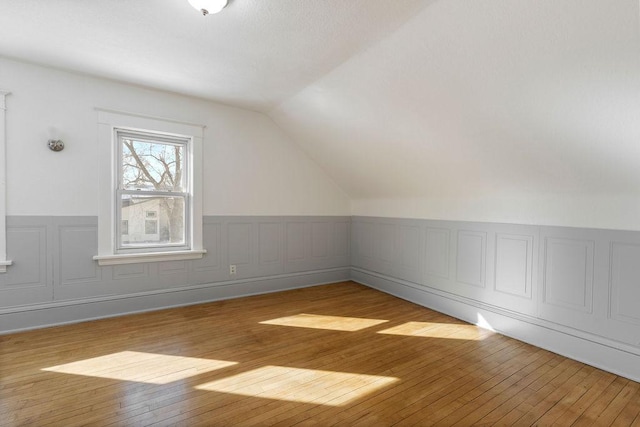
(208, 6)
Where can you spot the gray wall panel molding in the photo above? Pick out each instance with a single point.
(130, 271)
(623, 314)
(573, 279)
(28, 243)
(583, 279)
(437, 259)
(514, 264)
(53, 257)
(320, 239)
(298, 241)
(363, 244)
(64, 312)
(239, 245)
(410, 252)
(384, 247)
(316, 242)
(342, 239)
(210, 266)
(76, 241)
(471, 257)
(568, 273)
(625, 274)
(30, 278)
(270, 244)
(390, 246)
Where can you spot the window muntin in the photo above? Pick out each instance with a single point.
(152, 192)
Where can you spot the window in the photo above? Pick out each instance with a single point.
(153, 183)
(150, 193)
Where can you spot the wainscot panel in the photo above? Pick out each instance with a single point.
(54, 279)
(30, 278)
(316, 243)
(582, 283)
(59, 313)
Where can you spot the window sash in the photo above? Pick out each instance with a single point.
(185, 144)
(151, 138)
(121, 247)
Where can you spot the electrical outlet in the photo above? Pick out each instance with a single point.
(232, 269)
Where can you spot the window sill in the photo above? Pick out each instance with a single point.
(4, 265)
(105, 260)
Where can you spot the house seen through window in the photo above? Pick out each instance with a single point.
(153, 192)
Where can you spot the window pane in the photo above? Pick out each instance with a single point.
(152, 165)
(152, 220)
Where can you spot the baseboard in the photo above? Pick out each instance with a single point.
(36, 316)
(593, 350)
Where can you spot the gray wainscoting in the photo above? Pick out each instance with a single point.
(579, 283)
(574, 291)
(54, 279)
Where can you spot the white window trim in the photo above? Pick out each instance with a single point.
(4, 262)
(108, 121)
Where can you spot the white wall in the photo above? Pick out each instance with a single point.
(502, 111)
(250, 167)
(608, 211)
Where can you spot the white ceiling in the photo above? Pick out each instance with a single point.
(480, 99)
(254, 54)
(402, 98)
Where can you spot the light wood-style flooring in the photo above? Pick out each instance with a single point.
(333, 355)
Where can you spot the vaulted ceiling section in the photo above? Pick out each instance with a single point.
(394, 99)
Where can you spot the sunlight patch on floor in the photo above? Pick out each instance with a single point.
(300, 385)
(141, 367)
(333, 323)
(437, 330)
(484, 323)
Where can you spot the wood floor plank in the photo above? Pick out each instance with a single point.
(348, 363)
(592, 393)
(444, 396)
(552, 416)
(590, 415)
(481, 405)
(444, 369)
(340, 354)
(520, 393)
(615, 407)
(397, 369)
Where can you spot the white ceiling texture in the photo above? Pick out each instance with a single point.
(402, 98)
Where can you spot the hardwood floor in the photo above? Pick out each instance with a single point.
(334, 355)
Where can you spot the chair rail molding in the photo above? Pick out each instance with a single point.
(4, 262)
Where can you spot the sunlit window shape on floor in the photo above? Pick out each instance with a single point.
(141, 367)
(484, 323)
(332, 323)
(300, 385)
(438, 330)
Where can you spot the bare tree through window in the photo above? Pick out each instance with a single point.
(153, 180)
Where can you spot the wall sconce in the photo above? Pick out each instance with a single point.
(56, 144)
(208, 6)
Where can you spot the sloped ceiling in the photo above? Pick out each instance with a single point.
(394, 99)
(253, 54)
(478, 97)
